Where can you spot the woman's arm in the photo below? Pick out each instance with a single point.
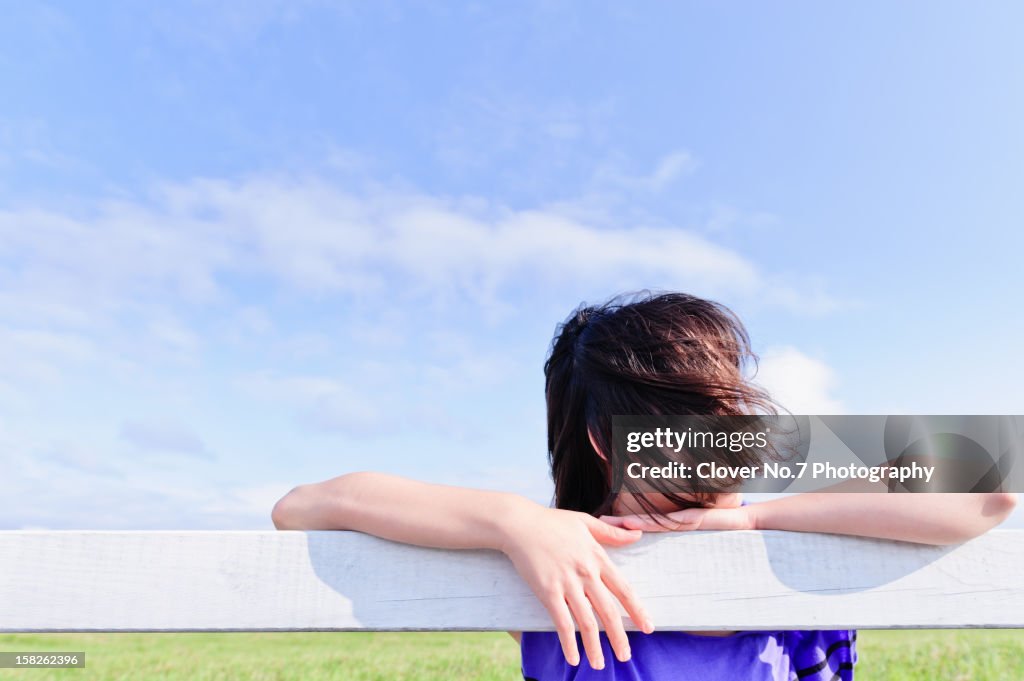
(558, 553)
(926, 518)
(400, 509)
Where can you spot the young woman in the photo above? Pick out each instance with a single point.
(663, 354)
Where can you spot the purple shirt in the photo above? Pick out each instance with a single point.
(669, 655)
(826, 655)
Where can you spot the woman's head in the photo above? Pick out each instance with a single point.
(645, 354)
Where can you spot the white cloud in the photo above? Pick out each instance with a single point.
(344, 308)
(801, 384)
(312, 236)
(666, 171)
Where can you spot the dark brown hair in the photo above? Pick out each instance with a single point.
(639, 354)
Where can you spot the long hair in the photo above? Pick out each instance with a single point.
(638, 354)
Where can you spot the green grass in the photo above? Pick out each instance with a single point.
(950, 655)
(974, 655)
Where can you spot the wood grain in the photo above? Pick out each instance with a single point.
(258, 581)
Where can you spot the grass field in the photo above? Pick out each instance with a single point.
(967, 655)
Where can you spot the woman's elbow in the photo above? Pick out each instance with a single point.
(994, 508)
(319, 505)
(285, 513)
(1000, 505)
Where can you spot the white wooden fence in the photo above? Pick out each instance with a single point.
(261, 581)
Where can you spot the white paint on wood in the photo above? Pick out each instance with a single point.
(203, 581)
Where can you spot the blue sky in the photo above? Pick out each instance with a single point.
(245, 245)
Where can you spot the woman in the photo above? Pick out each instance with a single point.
(668, 354)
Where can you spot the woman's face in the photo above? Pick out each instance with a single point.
(627, 503)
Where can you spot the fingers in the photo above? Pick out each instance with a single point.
(643, 523)
(677, 521)
(613, 520)
(605, 607)
(622, 590)
(687, 519)
(610, 535)
(566, 628)
(586, 621)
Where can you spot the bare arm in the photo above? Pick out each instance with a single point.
(558, 553)
(401, 509)
(939, 518)
(923, 518)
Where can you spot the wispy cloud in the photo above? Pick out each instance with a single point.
(800, 383)
(192, 238)
(669, 168)
(355, 315)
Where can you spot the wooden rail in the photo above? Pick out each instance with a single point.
(297, 581)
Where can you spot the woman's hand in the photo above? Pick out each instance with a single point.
(738, 518)
(560, 555)
(938, 518)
